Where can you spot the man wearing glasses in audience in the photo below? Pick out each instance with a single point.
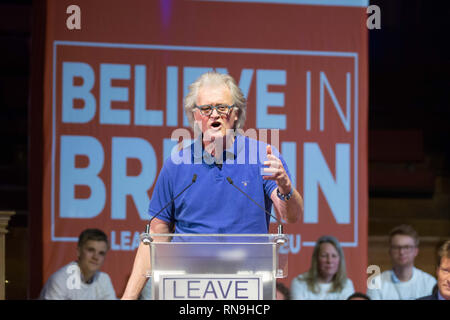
(216, 110)
(404, 281)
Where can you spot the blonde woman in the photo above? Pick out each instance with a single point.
(327, 277)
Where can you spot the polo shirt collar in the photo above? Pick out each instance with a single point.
(200, 155)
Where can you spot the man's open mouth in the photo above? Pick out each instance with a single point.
(216, 124)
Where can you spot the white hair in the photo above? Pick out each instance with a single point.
(213, 78)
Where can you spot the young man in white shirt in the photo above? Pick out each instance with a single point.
(81, 279)
(404, 281)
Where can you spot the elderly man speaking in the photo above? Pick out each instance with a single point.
(219, 157)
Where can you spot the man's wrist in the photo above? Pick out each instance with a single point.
(285, 187)
(285, 196)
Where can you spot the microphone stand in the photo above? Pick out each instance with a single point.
(145, 236)
(280, 239)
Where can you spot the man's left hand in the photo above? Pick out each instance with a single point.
(279, 174)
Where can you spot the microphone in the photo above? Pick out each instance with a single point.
(280, 225)
(145, 237)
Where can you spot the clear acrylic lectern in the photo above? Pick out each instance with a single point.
(216, 267)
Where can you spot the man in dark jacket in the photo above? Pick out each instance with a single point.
(443, 274)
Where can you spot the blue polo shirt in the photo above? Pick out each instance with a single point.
(212, 205)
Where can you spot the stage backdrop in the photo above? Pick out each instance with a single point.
(114, 84)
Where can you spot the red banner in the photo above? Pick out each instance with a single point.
(114, 91)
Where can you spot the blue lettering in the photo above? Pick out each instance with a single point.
(108, 93)
(125, 240)
(71, 176)
(142, 116)
(294, 245)
(237, 289)
(72, 70)
(266, 99)
(207, 290)
(172, 96)
(224, 295)
(317, 174)
(175, 291)
(192, 289)
(136, 186)
(114, 245)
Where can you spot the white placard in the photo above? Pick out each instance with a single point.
(211, 287)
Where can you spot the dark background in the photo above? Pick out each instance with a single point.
(409, 131)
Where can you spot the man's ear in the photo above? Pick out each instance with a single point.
(78, 253)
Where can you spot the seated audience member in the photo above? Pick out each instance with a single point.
(443, 275)
(283, 292)
(404, 281)
(358, 296)
(327, 277)
(81, 279)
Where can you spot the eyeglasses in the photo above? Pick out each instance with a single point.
(221, 109)
(404, 248)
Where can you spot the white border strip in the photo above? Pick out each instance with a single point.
(338, 54)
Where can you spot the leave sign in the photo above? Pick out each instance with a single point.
(211, 287)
